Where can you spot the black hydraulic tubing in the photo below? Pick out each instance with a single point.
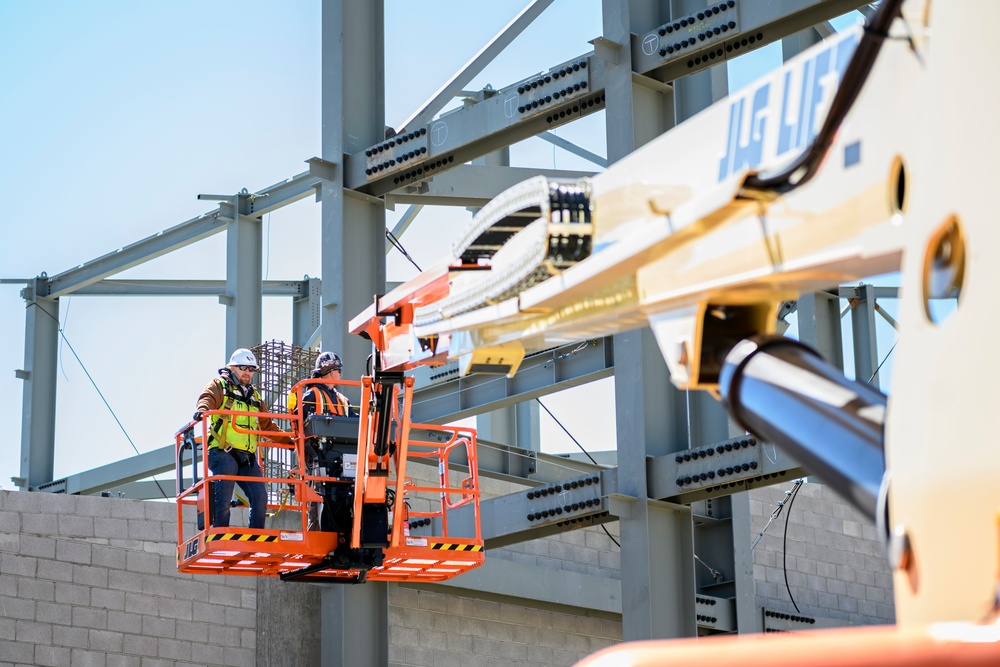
(806, 166)
(783, 392)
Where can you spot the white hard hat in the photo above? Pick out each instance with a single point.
(243, 357)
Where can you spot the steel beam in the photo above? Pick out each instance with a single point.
(749, 26)
(570, 147)
(474, 185)
(292, 288)
(38, 402)
(539, 374)
(514, 113)
(500, 577)
(112, 475)
(179, 236)
(453, 87)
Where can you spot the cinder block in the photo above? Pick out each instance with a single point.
(51, 656)
(195, 633)
(847, 574)
(136, 561)
(75, 526)
(458, 643)
(10, 522)
(176, 608)
(827, 570)
(140, 603)
(50, 612)
(70, 637)
(239, 617)
(249, 637)
(482, 646)
(848, 604)
(110, 527)
(120, 621)
(73, 594)
(103, 598)
(85, 617)
(142, 529)
(106, 641)
(139, 645)
(173, 650)
(37, 546)
(109, 557)
(82, 658)
(124, 661)
(123, 580)
(90, 576)
(14, 652)
(32, 632)
(224, 636)
(93, 506)
(512, 651)
(164, 628)
(36, 589)
(129, 509)
(71, 551)
(207, 654)
(20, 566)
(856, 591)
(220, 594)
(16, 608)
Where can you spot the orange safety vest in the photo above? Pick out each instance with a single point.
(329, 401)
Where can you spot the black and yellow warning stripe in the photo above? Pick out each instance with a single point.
(242, 537)
(456, 547)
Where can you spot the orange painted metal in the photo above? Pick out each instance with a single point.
(429, 556)
(957, 645)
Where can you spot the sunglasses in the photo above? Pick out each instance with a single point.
(247, 368)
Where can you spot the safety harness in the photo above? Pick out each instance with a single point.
(220, 436)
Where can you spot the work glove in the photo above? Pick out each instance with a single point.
(197, 416)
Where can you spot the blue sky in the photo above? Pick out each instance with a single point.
(115, 115)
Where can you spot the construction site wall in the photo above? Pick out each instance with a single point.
(92, 581)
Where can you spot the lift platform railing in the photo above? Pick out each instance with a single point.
(303, 549)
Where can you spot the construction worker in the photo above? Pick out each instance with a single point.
(231, 452)
(322, 399)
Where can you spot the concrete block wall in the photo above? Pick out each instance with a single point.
(434, 629)
(836, 566)
(88, 581)
(92, 581)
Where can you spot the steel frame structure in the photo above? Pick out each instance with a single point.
(645, 90)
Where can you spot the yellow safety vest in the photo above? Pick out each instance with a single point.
(223, 436)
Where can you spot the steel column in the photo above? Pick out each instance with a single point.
(795, 44)
(657, 558)
(353, 226)
(243, 299)
(38, 404)
(819, 325)
(354, 623)
(307, 312)
(354, 618)
(865, 341)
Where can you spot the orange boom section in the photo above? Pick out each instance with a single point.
(347, 507)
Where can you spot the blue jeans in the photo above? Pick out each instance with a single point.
(243, 464)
